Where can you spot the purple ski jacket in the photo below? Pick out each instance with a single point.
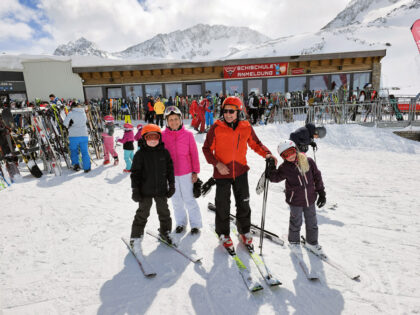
(301, 190)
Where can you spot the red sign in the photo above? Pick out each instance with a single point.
(255, 70)
(415, 30)
(298, 71)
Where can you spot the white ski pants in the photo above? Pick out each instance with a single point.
(183, 200)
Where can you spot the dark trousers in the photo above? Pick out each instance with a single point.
(243, 211)
(159, 120)
(143, 212)
(253, 112)
(311, 224)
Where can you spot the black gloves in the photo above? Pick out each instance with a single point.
(197, 188)
(270, 166)
(70, 123)
(136, 195)
(171, 191)
(321, 199)
(205, 189)
(313, 145)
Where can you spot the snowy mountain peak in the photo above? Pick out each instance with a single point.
(369, 11)
(201, 40)
(80, 47)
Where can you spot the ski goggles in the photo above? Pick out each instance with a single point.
(229, 111)
(288, 153)
(171, 110)
(151, 136)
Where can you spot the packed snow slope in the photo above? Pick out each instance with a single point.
(61, 251)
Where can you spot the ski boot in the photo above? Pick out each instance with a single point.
(116, 161)
(227, 243)
(246, 239)
(126, 171)
(195, 231)
(179, 229)
(135, 243)
(106, 162)
(316, 249)
(76, 167)
(166, 237)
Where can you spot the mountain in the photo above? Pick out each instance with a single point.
(199, 41)
(80, 47)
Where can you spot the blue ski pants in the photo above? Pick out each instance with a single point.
(76, 144)
(209, 119)
(128, 158)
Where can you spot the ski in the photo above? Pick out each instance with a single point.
(255, 229)
(251, 284)
(299, 256)
(261, 266)
(144, 265)
(325, 258)
(194, 259)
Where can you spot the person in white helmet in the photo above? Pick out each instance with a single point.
(303, 185)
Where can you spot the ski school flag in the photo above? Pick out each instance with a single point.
(415, 29)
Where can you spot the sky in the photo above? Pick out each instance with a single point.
(38, 27)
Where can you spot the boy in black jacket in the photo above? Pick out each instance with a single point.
(152, 177)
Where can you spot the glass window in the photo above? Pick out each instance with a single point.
(194, 90)
(340, 80)
(94, 92)
(318, 82)
(297, 84)
(173, 89)
(17, 97)
(154, 90)
(255, 86)
(133, 91)
(234, 87)
(276, 85)
(214, 87)
(114, 93)
(360, 79)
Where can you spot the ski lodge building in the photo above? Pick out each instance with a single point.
(263, 75)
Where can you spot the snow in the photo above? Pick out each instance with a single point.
(61, 251)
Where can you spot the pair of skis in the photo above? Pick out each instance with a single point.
(253, 285)
(145, 267)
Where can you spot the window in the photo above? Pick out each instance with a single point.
(255, 86)
(360, 80)
(173, 89)
(214, 87)
(276, 85)
(133, 91)
(154, 90)
(114, 93)
(94, 92)
(339, 80)
(234, 87)
(193, 90)
(297, 84)
(318, 82)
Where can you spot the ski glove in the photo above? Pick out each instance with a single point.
(314, 146)
(136, 195)
(321, 199)
(197, 188)
(205, 189)
(271, 166)
(171, 191)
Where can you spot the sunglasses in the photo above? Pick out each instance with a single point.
(152, 136)
(229, 111)
(288, 153)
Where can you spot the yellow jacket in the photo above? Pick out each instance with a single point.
(159, 108)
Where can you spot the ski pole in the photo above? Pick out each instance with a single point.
(314, 154)
(264, 206)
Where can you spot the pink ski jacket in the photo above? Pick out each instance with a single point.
(183, 149)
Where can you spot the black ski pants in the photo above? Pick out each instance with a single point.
(243, 211)
(143, 212)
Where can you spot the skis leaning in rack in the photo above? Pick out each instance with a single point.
(193, 258)
(261, 266)
(353, 276)
(144, 265)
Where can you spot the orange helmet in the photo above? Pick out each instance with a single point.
(233, 101)
(150, 128)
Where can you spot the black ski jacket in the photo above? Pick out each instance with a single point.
(152, 170)
(303, 136)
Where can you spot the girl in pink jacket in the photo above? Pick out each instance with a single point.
(128, 146)
(181, 145)
(108, 140)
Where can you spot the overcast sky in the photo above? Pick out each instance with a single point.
(35, 27)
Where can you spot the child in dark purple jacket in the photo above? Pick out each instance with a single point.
(303, 184)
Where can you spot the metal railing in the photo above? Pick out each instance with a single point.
(379, 113)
